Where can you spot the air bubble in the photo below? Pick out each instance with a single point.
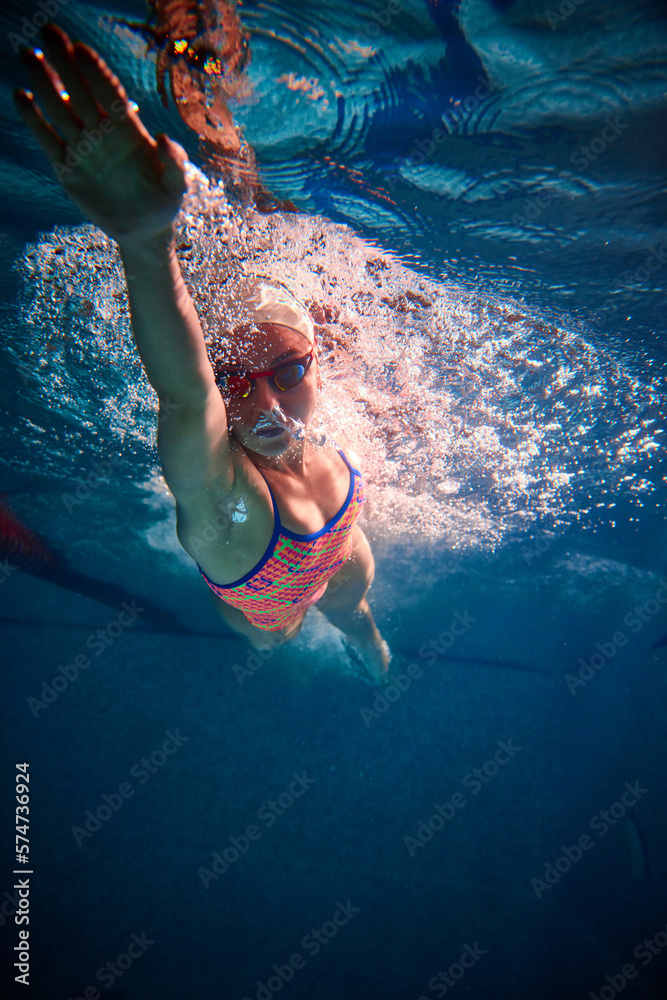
(471, 416)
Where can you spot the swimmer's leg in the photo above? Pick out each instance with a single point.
(345, 605)
(259, 638)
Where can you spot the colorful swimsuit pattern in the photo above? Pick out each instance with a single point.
(294, 571)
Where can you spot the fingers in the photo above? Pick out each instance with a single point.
(75, 89)
(106, 88)
(173, 158)
(47, 138)
(60, 52)
(49, 91)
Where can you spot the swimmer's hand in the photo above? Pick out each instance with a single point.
(126, 182)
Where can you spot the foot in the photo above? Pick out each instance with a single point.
(371, 661)
(365, 646)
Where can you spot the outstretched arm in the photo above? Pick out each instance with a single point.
(131, 185)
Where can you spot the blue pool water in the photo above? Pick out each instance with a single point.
(483, 195)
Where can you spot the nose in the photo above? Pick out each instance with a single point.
(264, 396)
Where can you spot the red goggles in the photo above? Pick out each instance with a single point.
(238, 383)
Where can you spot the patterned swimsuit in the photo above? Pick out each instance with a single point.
(294, 571)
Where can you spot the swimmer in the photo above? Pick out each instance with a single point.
(280, 514)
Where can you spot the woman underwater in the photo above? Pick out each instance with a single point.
(285, 510)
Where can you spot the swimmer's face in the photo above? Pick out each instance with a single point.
(274, 345)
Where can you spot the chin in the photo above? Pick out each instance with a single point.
(269, 447)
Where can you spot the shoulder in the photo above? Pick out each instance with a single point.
(346, 445)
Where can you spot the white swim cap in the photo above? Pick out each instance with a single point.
(254, 300)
